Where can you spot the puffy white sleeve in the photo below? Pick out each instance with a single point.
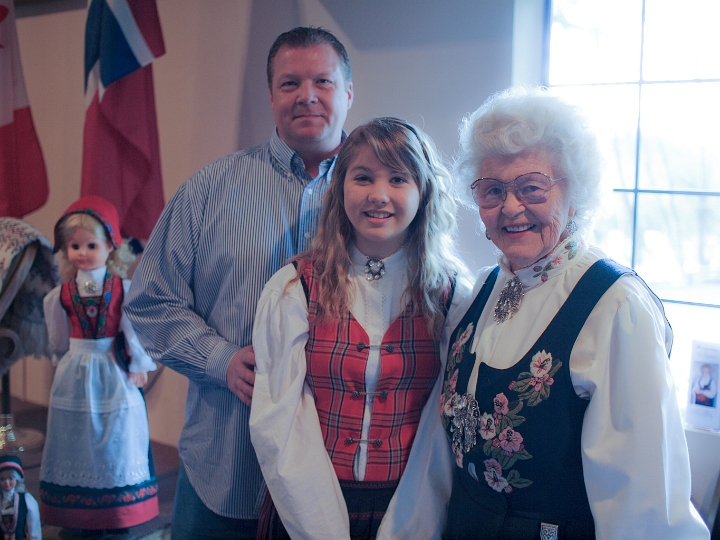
(32, 524)
(284, 425)
(58, 325)
(140, 361)
(418, 508)
(635, 459)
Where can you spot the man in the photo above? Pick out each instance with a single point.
(221, 236)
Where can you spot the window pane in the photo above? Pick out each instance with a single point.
(682, 41)
(678, 246)
(680, 136)
(595, 41)
(613, 227)
(689, 323)
(612, 111)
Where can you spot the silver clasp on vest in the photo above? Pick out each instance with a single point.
(382, 394)
(388, 348)
(376, 442)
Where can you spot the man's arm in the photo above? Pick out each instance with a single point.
(162, 303)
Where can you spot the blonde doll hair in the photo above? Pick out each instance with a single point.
(431, 255)
(120, 259)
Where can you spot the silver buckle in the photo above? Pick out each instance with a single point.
(549, 531)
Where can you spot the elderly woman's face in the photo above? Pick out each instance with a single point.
(525, 233)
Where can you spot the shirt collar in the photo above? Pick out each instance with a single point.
(395, 262)
(291, 162)
(566, 254)
(97, 275)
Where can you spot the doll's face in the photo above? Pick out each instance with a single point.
(85, 251)
(7, 480)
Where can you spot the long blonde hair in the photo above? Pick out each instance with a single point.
(432, 259)
(120, 259)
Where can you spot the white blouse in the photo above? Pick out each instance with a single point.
(635, 458)
(58, 323)
(284, 425)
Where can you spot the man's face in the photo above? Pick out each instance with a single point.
(309, 97)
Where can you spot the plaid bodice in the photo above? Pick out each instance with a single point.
(337, 353)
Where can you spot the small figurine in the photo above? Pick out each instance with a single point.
(20, 512)
(96, 471)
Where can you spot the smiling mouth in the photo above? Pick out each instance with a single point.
(519, 228)
(379, 215)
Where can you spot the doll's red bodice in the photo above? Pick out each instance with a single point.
(94, 317)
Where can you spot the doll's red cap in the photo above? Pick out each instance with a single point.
(11, 462)
(97, 207)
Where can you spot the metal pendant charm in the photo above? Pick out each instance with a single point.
(374, 269)
(92, 288)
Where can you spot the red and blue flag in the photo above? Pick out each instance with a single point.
(121, 150)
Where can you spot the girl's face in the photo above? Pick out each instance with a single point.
(7, 480)
(85, 251)
(380, 203)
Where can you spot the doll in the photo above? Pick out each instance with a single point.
(347, 345)
(96, 472)
(20, 512)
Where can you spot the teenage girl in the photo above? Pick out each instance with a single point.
(347, 345)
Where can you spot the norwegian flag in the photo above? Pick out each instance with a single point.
(121, 152)
(23, 178)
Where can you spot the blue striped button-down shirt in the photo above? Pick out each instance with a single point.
(193, 297)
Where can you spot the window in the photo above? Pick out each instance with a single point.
(648, 74)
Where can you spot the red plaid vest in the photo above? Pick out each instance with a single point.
(93, 317)
(337, 354)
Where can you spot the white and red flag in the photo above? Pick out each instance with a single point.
(121, 152)
(23, 178)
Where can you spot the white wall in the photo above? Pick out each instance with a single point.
(429, 61)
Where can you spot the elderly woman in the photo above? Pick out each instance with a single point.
(558, 398)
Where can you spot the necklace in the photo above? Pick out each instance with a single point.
(374, 269)
(91, 287)
(510, 299)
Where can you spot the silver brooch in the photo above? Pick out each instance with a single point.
(465, 422)
(91, 287)
(374, 269)
(510, 299)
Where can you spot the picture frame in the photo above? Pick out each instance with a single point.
(703, 401)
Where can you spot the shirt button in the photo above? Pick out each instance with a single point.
(310, 191)
(306, 235)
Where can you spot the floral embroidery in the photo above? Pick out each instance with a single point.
(487, 426)
(534, 386)
(458, 348)
(571, 249)
(503, 443)
(455, 357)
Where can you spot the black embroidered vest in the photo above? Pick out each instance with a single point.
(517, 439)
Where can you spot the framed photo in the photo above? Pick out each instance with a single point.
(703, 409)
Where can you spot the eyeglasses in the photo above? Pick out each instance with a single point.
(529, 188)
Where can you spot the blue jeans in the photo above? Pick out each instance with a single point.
(192, 520)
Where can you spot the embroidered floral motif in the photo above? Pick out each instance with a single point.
(458, 348)
(455, 357)
(534, 386)
(571, 249)
(503, 443)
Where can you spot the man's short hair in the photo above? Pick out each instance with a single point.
(306, 36)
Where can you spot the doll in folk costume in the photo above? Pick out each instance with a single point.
(97, 472)
(20, 512)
